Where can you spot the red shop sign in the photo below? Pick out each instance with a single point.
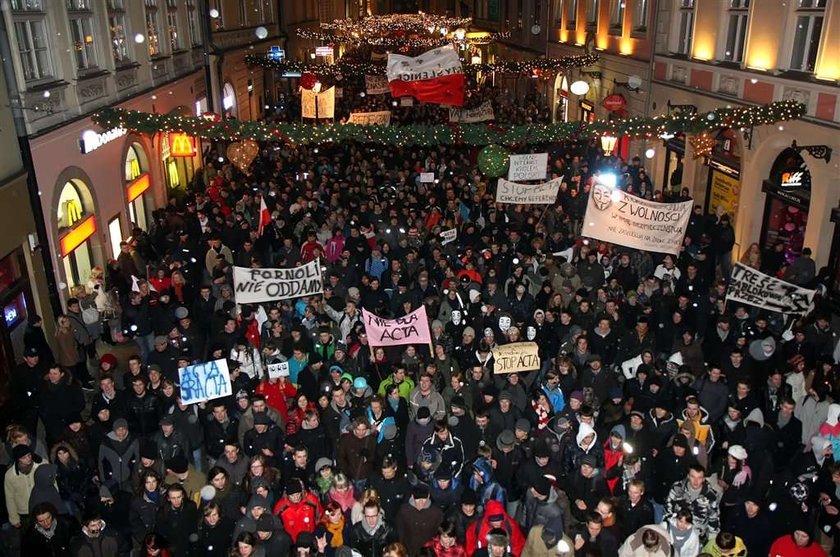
(614, 103)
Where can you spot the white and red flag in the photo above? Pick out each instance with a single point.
(265, 216)
(436, 76)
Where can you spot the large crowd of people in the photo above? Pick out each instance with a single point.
(662, 420)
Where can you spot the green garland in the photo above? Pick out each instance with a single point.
(445, 134)
(360, 69)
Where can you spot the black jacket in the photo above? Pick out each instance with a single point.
(143, 414)
(34, 543)
(176, 526)
(371, 544)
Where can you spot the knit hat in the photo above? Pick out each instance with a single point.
(738, 452)
(522, 424)
(109, 359)
(20, 451)
(294, 486)
(589, 460)
(576, 395)
(148, 450)
(120, 422)
(542, 485)
(420, 491)
(468, 497)
(322, 462)
(262, 418)
(178, 464)
(468, 331)
(360, 383)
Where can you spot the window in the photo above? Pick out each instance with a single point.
(80, 16)
(592, 15)
(193, 24)
(640, 16)
(172, 26)
(152, 28)
(685, 22)
(116, 25)
(267, 15)
(736, 31)
(806, 40)
(571, 19)
(557, 13)
(30, 22)
(617, 17)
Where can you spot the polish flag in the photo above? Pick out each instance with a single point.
(436, 76)
(265, 216)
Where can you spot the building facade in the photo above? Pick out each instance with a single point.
(69, 58)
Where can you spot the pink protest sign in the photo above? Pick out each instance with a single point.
(409, 329)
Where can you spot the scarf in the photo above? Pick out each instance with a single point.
(395, 404)
(152, 496)
(542, 415)
(346, 500)
(337, 531)
(782, 420)
(48, 533)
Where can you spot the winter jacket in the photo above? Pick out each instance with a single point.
(17, 488)
(356, 457)
(433, 401)
(143, 414)
(116, 461)
(536, 512)
(106, 544)
(246, 422)
(56, 403)
(704, 508)
(684, 543)
(478, 530)
(417, 525)
(34, 542)
(633, 547)
(415, 435)
(371, 541)
(451, 451)
(177, 525)
(739, 550)
(44, 489)
(535, 546)
(392, 493)
(215, 541)
(299, 517)
(217, 434)
(171, 446)
(142, 515)
(271, 439)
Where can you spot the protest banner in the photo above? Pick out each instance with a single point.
(427, 177)
(280, 369)
(620, 218)
(376, 84)
(448, 236)
(481, 113)
(527, 194)
(203, 382)
(317, 105)
(752, 287)
(409, 329)
(379, 118)
(266, 285)
(518, 356)
(528, 167)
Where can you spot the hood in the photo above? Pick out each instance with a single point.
(413, 503)
(484, 469)
(45, 475)
(833, 414)
(74, 456)
(818, 445)
(757, 417)
(257, 501)
(585, 429)
(494, 507)
(620, 430)
(664, 544)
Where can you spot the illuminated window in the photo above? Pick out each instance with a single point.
(30, 23)
(152, 28)
(80, 16)
(592, 15)
(810, 16)
(172, 26)
(571, 15)
(640, 16)
(685, 26)
(617, 16)
(71, 207)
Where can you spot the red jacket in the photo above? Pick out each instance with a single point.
(456, 550)
(612, 458)
(299, 517)
(276, 394)
(786, 547)
(478, 530)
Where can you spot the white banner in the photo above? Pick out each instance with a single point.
(481, 113)
(380, 118)
(376, 84)
(516, 357)
(280, 369)
(203, 382)
(427, 177)
(448, 236)
(318, 105)
(252, 286)
(528, 167)
(527, 194)
(620, 218)
(754, 288)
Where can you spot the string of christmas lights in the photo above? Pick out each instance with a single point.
(379, 24)
(396, 41)
(444, 134)
(360, 69)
